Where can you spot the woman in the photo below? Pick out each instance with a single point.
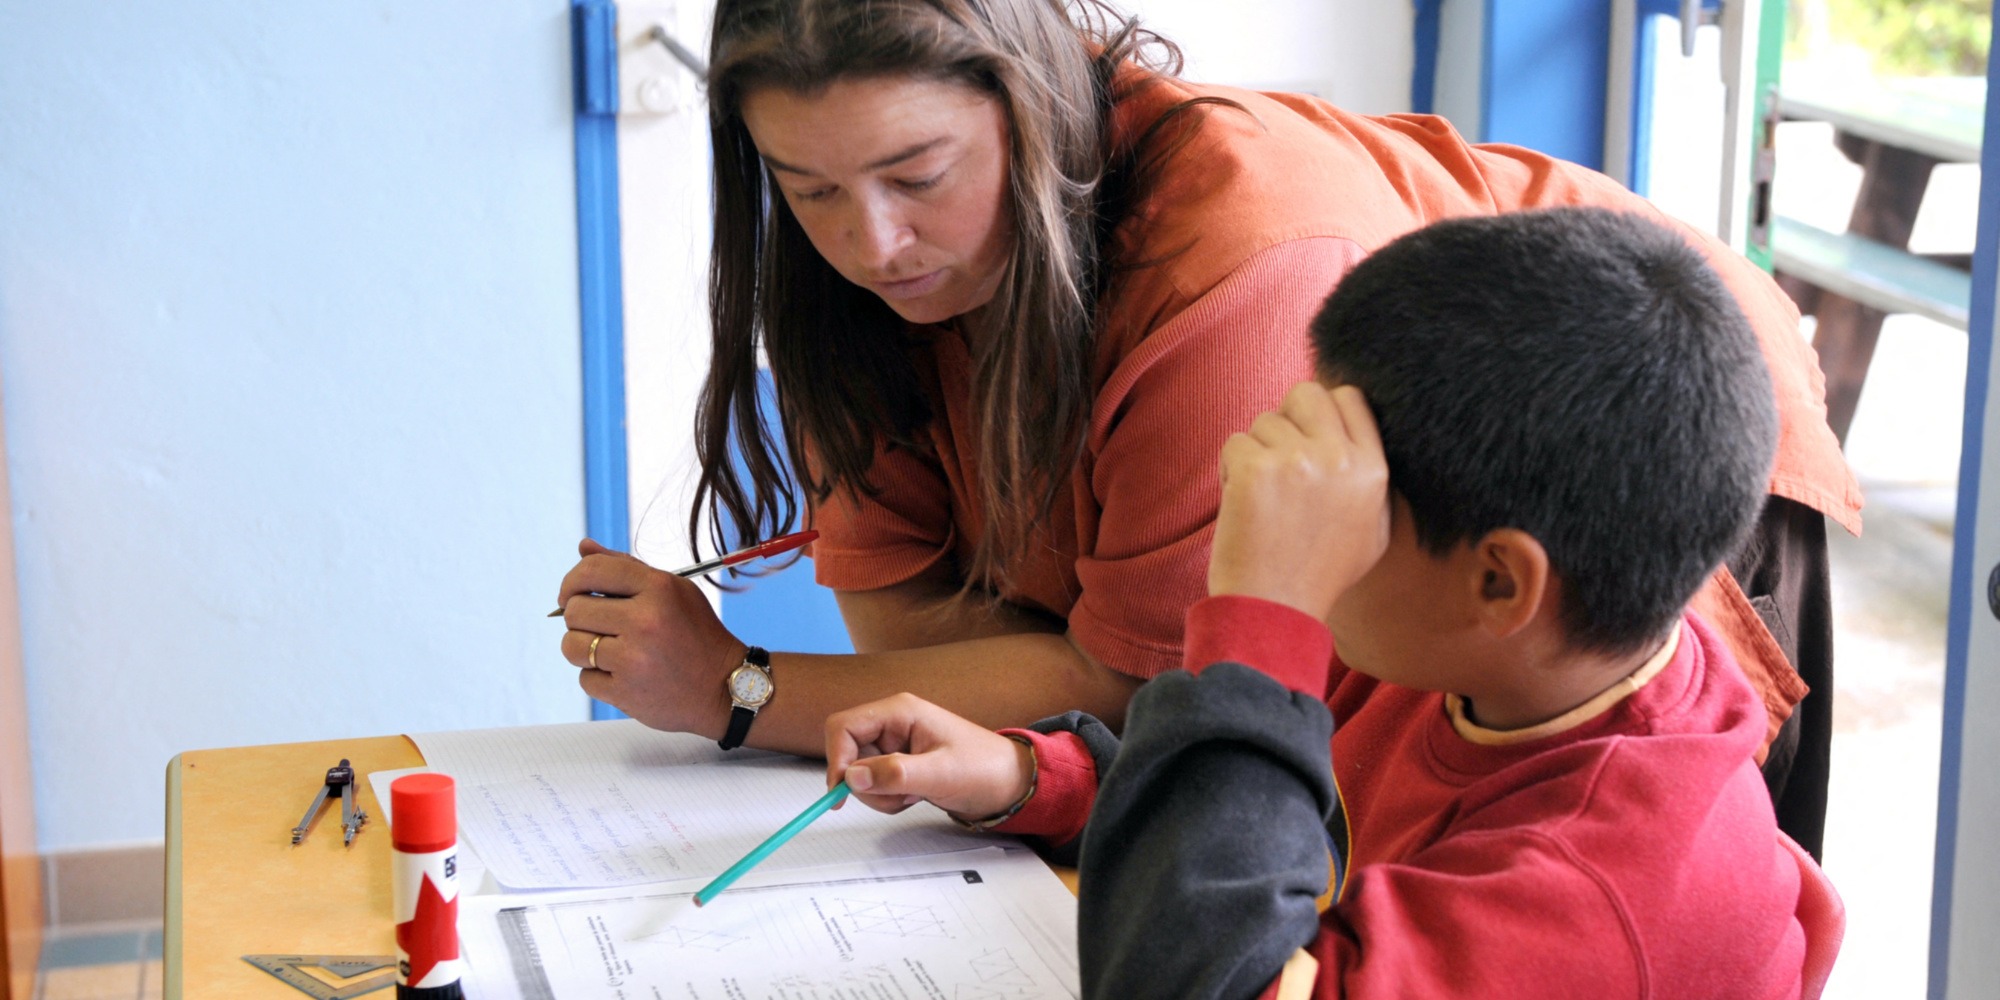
(1017, 284)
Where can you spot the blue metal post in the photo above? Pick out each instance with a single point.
(600, 265)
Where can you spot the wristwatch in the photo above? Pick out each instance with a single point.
(750, 689)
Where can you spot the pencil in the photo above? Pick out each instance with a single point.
(776, 546)
(761, 851)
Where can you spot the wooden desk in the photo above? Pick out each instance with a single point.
(236, 886)
(1897, 132)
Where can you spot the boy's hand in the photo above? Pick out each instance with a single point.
(903, 749)
(1305, 508)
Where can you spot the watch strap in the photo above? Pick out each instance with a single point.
(740, 716)
(739, 727)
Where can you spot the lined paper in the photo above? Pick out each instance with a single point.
(599, 804)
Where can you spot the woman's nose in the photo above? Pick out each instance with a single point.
(878, 234)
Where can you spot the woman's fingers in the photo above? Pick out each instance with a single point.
(604, 572)
(590, 650)
(661, 654)
(602, 615)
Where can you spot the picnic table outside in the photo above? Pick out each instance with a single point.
(1897, 131)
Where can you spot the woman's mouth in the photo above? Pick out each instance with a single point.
(910, 288)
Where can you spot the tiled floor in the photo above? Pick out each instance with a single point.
(101, 965)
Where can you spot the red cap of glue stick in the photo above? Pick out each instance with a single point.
(423, 813)
(423, 828)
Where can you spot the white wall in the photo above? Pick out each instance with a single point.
(289, 340)
(1355, 53)
(664, 202)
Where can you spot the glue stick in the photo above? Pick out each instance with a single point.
(423, 827)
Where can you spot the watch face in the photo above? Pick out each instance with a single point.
(750, 686)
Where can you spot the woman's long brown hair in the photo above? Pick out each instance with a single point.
(840, 359)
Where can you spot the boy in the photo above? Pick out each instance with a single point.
(1542, 777)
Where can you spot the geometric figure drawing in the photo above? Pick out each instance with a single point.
(868, 917)
(705, 940)
(998, 969)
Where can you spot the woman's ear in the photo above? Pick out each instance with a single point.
(1511, 580)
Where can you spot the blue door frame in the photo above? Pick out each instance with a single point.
(600, 281)
(1542, 78)
(784, 611)
(1543, 69)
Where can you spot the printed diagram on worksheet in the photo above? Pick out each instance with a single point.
(870, 916)
(984, 924)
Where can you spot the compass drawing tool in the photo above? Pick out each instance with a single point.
(341, 777)
(763, 550)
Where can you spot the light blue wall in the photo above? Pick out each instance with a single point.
(288, 342)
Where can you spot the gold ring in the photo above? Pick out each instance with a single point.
(593, 651)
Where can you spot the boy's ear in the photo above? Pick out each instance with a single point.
(1511, 580)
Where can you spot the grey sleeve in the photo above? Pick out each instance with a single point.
(1207, 847)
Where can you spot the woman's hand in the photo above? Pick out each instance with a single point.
(901, 750)
(650, 645)
(1305, 508)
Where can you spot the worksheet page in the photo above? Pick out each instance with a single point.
(614, 803)
(968, 926)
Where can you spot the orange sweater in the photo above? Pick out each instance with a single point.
(1257, 218)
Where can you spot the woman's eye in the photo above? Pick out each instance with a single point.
(816, 194)
(921, 184)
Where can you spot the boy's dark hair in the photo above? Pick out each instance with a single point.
(1578, 374)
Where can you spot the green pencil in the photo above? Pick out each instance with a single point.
(773, 842)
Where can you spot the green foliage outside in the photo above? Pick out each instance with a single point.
(1904, 37)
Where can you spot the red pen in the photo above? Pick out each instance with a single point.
(762, 550)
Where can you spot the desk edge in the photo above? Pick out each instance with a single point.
(171, 926)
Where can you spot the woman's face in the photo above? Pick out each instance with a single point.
(899, 182)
